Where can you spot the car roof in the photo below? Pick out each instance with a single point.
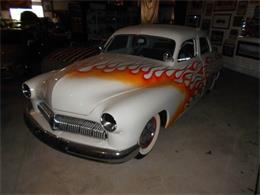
(175, 32)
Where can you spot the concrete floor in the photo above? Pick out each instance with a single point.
(213, 148)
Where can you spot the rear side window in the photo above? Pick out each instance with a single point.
(204, 45)
(187, 50)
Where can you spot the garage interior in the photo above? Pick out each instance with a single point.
(213, 148)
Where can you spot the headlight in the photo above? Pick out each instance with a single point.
(108, 122)
(26, 91)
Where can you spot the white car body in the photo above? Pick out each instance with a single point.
(132, 89)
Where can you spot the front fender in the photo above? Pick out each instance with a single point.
(38, 86)
(36, 83)
(134, 110)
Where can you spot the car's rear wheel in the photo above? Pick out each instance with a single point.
(149, 136)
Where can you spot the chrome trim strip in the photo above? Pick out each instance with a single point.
(46, 112)
(76, 149)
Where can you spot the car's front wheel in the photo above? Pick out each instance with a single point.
(149, 136)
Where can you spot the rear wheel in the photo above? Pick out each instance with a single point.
(149, 136)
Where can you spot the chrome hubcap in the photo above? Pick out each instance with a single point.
(148, 133)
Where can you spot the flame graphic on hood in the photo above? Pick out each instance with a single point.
(189, 79)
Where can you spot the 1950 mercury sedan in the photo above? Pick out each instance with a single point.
(110, 107)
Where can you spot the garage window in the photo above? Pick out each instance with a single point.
(36, 8)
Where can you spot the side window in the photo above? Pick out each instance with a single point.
(204, 45)
(187, 50)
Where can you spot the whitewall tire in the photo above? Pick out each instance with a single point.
(149, 136)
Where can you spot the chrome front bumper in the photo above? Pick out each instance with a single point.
(76, 149)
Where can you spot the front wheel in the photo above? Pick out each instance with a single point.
(149, 136)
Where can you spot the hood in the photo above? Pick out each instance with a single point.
(81, 87)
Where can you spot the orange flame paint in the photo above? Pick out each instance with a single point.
(189, 80)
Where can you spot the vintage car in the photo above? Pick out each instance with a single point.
(110, 107)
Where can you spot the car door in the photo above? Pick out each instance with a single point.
(193, 75)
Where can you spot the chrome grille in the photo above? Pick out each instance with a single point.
(71, 124)
(79, 126)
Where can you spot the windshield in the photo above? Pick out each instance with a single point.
(142, 45)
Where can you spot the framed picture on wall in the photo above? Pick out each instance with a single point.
(248, 49)
(242, 7)
(221, 21)
(228, 5)
(193, 20)
(216, 37)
